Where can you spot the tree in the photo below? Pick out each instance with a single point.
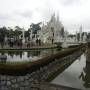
(3, 33)
(62, 32)
(35, 27)
(71, 35)
(11, 33)
(27, 34)
(18, 28)
(18, 31)
(78, 36)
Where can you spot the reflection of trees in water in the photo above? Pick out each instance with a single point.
(38, 52)
(29, 53)
(85, 75)
(48, 52)
(58, 49)
(20, 53)
(12, 53)
(52, 51)
(17, 53)
(2, 52)
(33, 53)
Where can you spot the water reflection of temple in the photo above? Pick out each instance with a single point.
(20, 53)
(85, 74)
(25, 55)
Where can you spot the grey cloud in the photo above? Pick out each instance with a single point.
(5, 17)
(70, 2)
(25, 14)
(46, 12)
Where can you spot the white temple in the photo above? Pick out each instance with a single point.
(52, 31)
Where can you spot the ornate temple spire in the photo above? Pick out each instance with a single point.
(81, 29)
(53, 14)
(53, 18)
(59, 24)
(80, 33)
(58, 17)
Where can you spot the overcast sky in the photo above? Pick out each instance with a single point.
(72, 13)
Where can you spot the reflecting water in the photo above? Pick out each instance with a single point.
(32, 55)
(77, 75)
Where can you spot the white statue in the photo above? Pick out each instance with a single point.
(23, 35)
(80, 34)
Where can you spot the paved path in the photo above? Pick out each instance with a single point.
(48, 86)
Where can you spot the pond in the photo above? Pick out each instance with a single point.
(30, 55)
(77, 75)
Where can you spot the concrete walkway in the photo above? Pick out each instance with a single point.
(48, 86)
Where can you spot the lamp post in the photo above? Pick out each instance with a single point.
(52, 29)
(30, 35)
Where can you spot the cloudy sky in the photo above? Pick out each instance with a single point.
(73, 13)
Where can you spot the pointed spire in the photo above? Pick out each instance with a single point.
(53, 17)
(57, 16)
(81, 29)
(76, 32)
(53, 14)
(42, 24)
(80, 33)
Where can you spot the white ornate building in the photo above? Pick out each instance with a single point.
(52, 31)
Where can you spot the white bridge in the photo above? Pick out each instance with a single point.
(66, 42)
(63, 41)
